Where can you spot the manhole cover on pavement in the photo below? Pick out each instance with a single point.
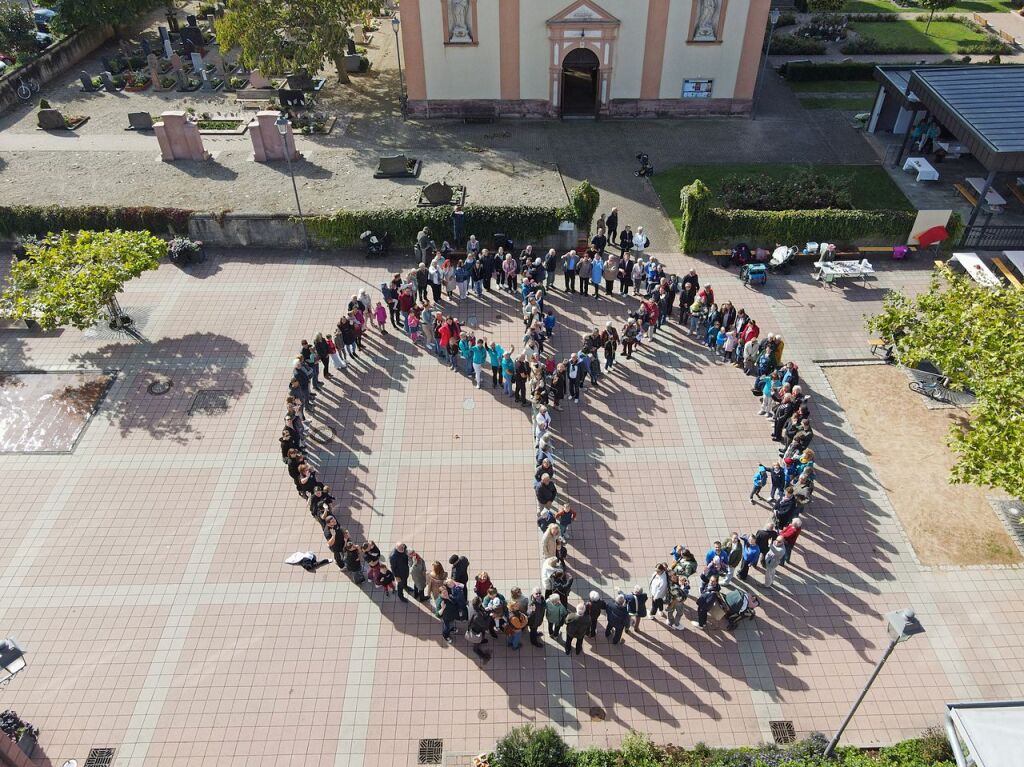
(160, 386)
(468, 403)
(598, 714)
(211, 401)
(481, 714)
(322, 434)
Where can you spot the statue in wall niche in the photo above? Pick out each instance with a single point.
(459, 29)
(706, 29)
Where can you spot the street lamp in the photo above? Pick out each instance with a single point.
(901, 625)
(402, 99)
(12, 659)
(284, 127)
(773, 17)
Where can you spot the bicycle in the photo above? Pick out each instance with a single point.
(937, 390)
(26, 88)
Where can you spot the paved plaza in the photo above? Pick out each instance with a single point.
(144, 571)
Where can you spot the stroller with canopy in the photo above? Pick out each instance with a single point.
(738, 606)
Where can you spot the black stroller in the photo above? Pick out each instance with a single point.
(738, 606)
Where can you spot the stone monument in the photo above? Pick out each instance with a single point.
(268, 145)
(179, 138)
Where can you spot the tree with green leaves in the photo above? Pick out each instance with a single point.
(969, 333)
(933, 6)
(17, 29)
(276, 35)
(74, 278)
(74, 15)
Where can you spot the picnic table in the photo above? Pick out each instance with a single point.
(953, 149)
(830, 271)
(976, 269)
(993, 197)
(924, 169)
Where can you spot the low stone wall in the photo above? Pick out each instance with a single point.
(56, 60)
(480, 108)
(678, 107)
(250, 230)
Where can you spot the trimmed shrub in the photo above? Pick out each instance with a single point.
(705, 227)
(521, 223)
(809, 72)
(799, 46)
(531, 747)
(800, 191)
(43, 219)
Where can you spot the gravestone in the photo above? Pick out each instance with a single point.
(214, 59)
(197, 63)
(257, 80)
(193, 36)
(300, 81)
(108, 82)
(182, 78)
(140, 121)
(175, 61)
(291, 99)
(179, 138)
(86, 80)
(351, 49)
(192, 20)
(51, 119)
(207, 83)
(189, 47)
(268, 145)
(147, 49)
(168, 50)
(438, 193)
(165, 37)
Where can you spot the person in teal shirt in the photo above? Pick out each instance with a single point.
(494, 355)
(478, 356)
(466, 352)
(508, 371)
(596, 275)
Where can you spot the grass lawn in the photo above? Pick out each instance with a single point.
(836, 102)
(870, 186)
(942, 37)
(834, 86)
(963, 6)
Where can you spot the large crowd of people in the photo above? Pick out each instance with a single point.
(422, 305)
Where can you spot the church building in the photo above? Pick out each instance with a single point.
(588, 58)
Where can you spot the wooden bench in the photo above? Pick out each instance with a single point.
(978, 19)
(1008, 38)
(966, 193)
(883, 250)
(878, 345)
(1015, 190)
(1010, 276)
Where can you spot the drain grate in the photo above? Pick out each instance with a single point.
(100, 757)
(160, 386)
(431, 751)
(211, 401)
(783, 731)
(482, 714)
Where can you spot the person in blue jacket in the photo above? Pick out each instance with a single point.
(508, 371)
(466, 351)
(597, 275)
(760, 480)
(549, 322)
(495, 352)
(478, 355)
(751, 553)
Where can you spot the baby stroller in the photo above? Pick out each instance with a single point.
(782, 259)
(754, 274)
(741, 255)
(738, 606)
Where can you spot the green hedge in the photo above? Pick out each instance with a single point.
(793, 45)
(43, 219)
(705, 227)
(809, 72)
(521, 223)
(532, 747)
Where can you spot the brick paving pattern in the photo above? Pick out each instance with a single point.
(144, 571)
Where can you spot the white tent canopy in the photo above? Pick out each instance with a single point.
(987, 733)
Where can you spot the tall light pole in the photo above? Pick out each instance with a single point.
(773, 17)
(402, 100)
(284, 128)
(901, 625)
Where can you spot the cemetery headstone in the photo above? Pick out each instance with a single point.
(179, 138)
(189, 47)
(146, 47)
(268, 145)
(207, 82)
(214, 58)
(351, 49)
(301, 81)
(175, 61)
(140, 121)
(51, 119)
(168, 50)
(108, 82)
(193, 36)
(164, 35)
(257, 80)
(182, 79)
(86, 80)
(197, 63)
(192, 20)
(291, 99)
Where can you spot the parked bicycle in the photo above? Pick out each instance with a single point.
(27, 88)
(938, 389)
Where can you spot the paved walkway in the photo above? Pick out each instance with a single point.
(144, 574)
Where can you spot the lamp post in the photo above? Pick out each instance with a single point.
(773, 17)
(284, 127)
(12, 659)
(402, 100)
(901, 625)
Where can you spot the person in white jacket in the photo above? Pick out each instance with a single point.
(772, 560)
(659, 590)
(549, 542)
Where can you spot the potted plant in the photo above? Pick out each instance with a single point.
(183, 251)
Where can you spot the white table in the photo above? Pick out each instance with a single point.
(953, 149)
(830, 271)
(1016, 257)
(993, 197)
(924, 169)
(977, 270)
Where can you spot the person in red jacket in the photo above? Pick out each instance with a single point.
(789, 535)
